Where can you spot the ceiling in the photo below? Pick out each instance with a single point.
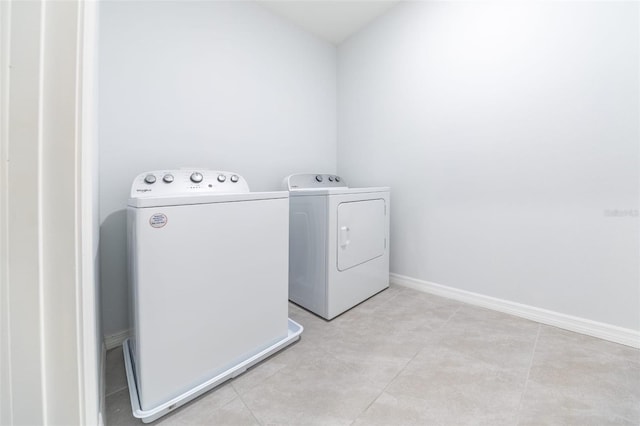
(332, 20)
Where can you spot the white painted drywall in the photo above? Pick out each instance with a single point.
(223, 85)
(333, 21)
(509, 134)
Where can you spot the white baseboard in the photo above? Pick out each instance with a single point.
(114, 340)
(601, 330)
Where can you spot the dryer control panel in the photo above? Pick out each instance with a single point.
(313, 181)
(187, 181)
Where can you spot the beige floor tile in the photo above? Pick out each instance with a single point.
(118, 410)
(320, 391)
(201, 409)
(405, 321)
(198, 411)
(219, 407)
(234, 413)
(585, 402)
(391, 410)
(577, 379)
(565, 358)
(289, 356)
(502, 341)
(558, 344)
(459, 389)
(116, 379)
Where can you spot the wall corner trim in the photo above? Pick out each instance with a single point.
(612, 333)
(116, 339)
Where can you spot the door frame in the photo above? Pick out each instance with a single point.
(50, 358)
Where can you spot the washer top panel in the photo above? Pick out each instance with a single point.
(172, 183)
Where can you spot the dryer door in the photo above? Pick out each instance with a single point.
(361, 232)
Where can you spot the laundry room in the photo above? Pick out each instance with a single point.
(507, 132)
(322, 212)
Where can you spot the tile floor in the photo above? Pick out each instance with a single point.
(409, 358)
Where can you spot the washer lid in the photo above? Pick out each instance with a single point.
(194, 199)
(336, 191)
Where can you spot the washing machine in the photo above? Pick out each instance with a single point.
(208, 270)
(338, 243)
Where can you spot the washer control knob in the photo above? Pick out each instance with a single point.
(168, 178)
(330, 178)
(319, 178)
(234, 178)
(150, 179)
(337, 178)
(221, 178)
(196, 177)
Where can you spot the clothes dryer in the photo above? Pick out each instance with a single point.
(338, 243)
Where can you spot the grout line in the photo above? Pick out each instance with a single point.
(387, 385)
(107, 395)
(247, 405)
(405, 365)
(526, 382)
(451, 316)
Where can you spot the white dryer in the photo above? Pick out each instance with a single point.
(208, 274)
(338, 243)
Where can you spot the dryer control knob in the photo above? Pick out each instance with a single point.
(221, 178)
(150, 179)
(330, 178)
(319, 178)
(168, 178)
(337, 178)
(196, 177)
(234, 178)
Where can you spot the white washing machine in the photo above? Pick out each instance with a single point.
(338, 243)
(208, 269)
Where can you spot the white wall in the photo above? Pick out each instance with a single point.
(509, 135)
(223, 85)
